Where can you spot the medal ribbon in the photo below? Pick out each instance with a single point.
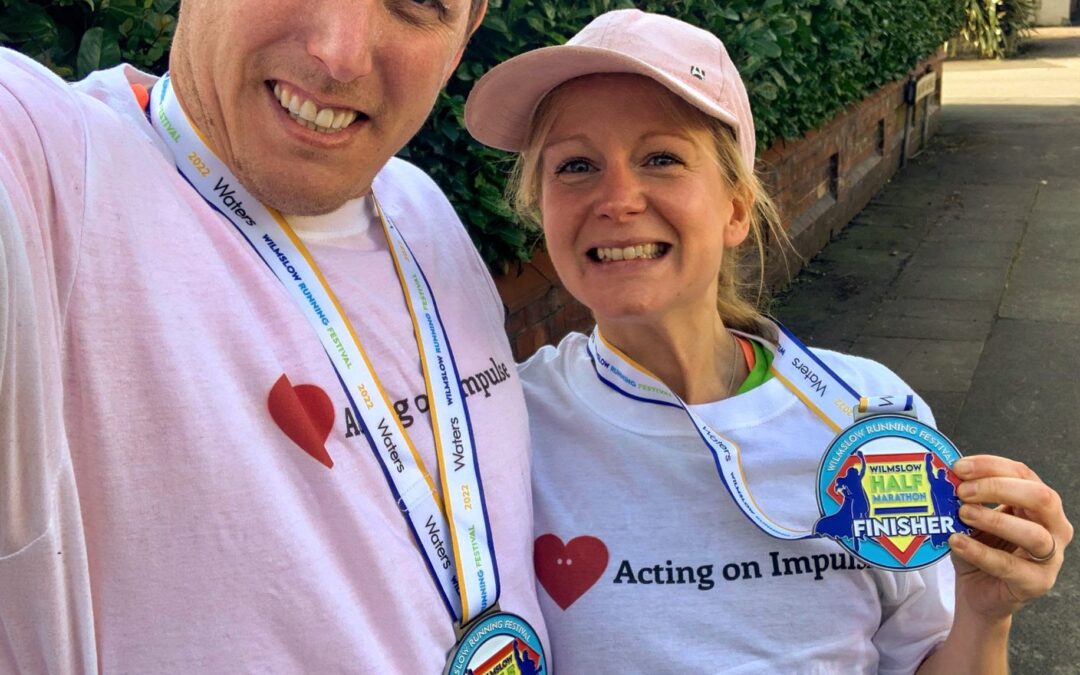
(462, 511)
(793, 365)
(822, 390)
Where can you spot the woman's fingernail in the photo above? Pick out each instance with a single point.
(966, 490)
(962, 466)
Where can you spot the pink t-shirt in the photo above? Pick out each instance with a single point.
(156, 514)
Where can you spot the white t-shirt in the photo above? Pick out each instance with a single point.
(156, 514)
(648, 566)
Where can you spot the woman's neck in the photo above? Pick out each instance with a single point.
(698, 359)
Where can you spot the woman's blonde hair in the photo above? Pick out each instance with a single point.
(742, 292)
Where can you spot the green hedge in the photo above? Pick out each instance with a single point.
(803, 60)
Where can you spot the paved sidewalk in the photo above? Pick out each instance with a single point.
(963, 276)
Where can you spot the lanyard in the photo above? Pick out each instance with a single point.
(461, 514)
(816, 385)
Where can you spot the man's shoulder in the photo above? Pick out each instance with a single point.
(401, 177)
(32, 85)
(411, 197)
(103, 101)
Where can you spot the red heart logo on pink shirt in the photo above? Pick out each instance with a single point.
(568, 571)
(306, 414)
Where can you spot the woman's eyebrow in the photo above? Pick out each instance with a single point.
(559, 140)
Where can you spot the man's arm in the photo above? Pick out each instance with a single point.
(45, 610)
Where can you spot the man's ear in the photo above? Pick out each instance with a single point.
(478, 19)
(473, 26)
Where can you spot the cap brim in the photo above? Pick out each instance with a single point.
(501, 105)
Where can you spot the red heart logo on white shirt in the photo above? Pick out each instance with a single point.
(568, 571)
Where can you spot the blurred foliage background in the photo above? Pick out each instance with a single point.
(803, 60)
(993, 29)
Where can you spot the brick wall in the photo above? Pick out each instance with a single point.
(820, 182)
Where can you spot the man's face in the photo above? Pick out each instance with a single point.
(307, 99)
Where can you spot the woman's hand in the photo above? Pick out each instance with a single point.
(1012, 557)
(1018, 547)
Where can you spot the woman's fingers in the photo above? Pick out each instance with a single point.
(990, 479)
(984, 466)
(1024, 578)
(1030, 536)
(1031, 495)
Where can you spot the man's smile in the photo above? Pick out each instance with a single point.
(308, 113)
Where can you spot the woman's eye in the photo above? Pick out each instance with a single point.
(662, 159)
(576, 165)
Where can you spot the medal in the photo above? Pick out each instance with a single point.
(493, 643)
(887, 493)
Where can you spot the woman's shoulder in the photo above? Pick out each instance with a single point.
(871, 378)
(554, 361)
(860, 372)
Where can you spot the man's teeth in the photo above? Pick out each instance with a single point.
(326, 121)
(641, 251)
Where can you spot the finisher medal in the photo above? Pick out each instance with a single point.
(887, 492)
(493, 643)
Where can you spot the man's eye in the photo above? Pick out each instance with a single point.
(576, 165)
(434, 6)
(662, 159)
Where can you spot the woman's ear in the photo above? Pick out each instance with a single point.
(738, 226)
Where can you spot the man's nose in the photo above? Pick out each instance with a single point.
(345, 38)
(621, 195)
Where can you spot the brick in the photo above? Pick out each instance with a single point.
(518, 290)
(515, 323)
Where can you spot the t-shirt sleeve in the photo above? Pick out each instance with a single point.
(32, 218)
(917, 614)
(424, 192)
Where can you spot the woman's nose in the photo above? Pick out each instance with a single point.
(622, 194)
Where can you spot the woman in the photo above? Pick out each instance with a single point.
(637, 148)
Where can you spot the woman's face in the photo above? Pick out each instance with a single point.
(636, 210)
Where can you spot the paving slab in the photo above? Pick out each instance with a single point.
(887, 323)
(1062, 198)
(1043, 289)
(927, 364)
(946, 407)
(960, 253)
(959, 226)
(933, 282)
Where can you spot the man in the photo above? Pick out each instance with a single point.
(192, 478)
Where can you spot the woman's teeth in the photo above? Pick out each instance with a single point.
(638, 252)
(306, 114)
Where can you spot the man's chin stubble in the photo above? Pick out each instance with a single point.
(287, 198)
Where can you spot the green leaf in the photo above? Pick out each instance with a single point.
(90, 50)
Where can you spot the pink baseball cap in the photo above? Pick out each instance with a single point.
(689, 61)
